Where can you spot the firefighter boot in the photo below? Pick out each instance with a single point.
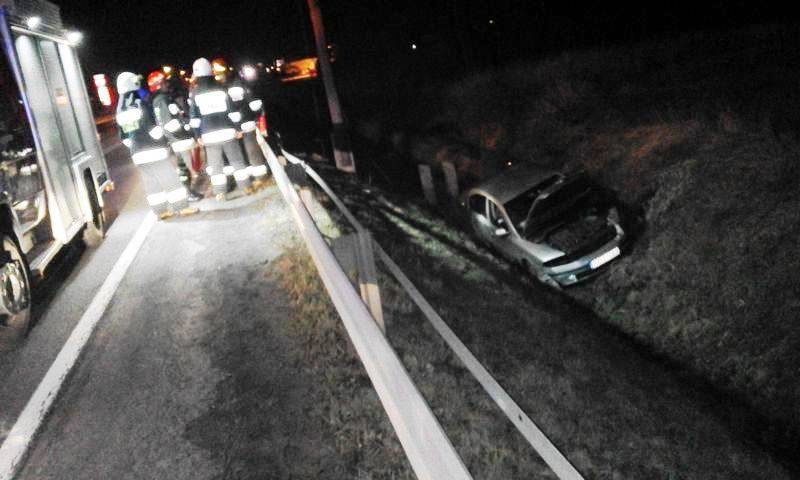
(185, 212)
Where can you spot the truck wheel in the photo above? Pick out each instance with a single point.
(95, 231)
(15, 293)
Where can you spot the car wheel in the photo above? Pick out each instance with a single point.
(15, 293)
(95, 231)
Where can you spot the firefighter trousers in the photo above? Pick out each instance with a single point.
(258, 164)
(162, 186)
(185, 167)
(215, 157)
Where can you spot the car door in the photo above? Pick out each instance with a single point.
(478, 219)
(56, 127)
(501, 234)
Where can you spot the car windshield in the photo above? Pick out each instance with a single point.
(519, 206)
(573, 195)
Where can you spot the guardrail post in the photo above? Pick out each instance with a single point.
(450, 179)
(426, 179)
(297, 175)
(368, 277)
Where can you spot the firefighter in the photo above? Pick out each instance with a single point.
(250, 109)
(149, 150)
(213, 116)
(170, 116)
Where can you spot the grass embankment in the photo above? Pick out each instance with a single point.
(613, 413)
(350, 407)
(699, 134)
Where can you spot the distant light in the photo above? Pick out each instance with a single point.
(509, 164)
(491, 21)
(413, 46)
(74, 37)
(249, 73)
(183, 73)
(167, 69)
(33, 22)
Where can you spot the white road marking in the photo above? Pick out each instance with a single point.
(21, 436)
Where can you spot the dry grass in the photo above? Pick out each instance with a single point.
(698, 135)
(350, 407)
(614, 412)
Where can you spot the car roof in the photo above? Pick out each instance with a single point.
(513, 182)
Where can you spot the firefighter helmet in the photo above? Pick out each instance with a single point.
(219, 65)
(155, 80)
(201, 68)
(220, 69)
(127, 82)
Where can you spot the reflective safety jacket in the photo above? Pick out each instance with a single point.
(139, 130)
(246, 104)
(211, 110)
(169, 116)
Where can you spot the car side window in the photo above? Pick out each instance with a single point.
(477, 203)
(495, 216)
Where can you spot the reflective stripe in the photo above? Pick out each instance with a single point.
(248, 126)
(156, 198)
(173, 109)
(235, 117)
(236, 93)
(218, 136)
(127, 142)
(228, 170)
(156, 132)
(194, 123)
(258, 170)
(212, 102)
(187, 127)
(129, 120)
(219, 179)
(173, 125)
(209, 170)
(183, 178)
(241, 174)
(255, 105)
(150, 156)
(183, 145)
(130, 115)
(176, 195)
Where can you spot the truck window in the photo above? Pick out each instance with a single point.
(61, 97)
(20, 178)
(15, 134)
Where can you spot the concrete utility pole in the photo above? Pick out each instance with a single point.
(341, 139)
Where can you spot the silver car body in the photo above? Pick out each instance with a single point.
(491, 222)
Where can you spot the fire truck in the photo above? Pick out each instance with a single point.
(52, 169)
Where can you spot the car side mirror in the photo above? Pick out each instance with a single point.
(501, 232)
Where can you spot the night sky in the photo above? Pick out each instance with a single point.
(138, 35)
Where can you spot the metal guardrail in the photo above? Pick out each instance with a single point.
(428, 449)
(557, 462)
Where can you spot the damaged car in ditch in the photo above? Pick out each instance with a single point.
(562, 228)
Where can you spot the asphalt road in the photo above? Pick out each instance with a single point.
(190, 373)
